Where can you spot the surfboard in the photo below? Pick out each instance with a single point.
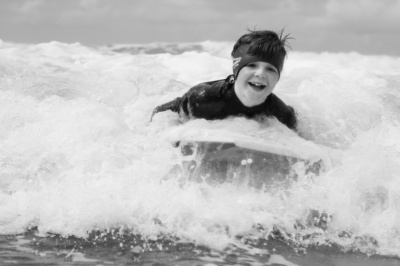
(298, 148)
(219, 152)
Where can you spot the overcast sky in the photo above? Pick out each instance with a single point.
(366, 26)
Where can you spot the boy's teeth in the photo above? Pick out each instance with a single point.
(256, 84)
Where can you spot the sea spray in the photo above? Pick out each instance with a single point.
(77, 152)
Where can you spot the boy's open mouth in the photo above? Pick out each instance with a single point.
(257, 86)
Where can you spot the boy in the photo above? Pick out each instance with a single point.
(258, 58)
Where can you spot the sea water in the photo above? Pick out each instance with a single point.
(78, 153)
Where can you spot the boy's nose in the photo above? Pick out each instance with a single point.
(260, 72)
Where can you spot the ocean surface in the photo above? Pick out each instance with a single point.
(79, 157)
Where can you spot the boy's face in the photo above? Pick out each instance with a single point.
(255, 82)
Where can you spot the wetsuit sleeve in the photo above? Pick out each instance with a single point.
(284, 113)
(201, 101)
(172, 106)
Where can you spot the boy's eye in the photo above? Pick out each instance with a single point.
(251, 65)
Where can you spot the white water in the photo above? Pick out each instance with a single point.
(77, 152)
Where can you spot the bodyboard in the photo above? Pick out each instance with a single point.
(294, 147)
(223, 154)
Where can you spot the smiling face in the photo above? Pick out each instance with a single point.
(255, 82)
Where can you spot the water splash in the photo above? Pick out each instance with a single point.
(77, 152)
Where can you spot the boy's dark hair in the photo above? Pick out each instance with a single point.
(267, 46)
(264, 42)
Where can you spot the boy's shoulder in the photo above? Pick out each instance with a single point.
(210, 84)
(284, 113)
(208, 90)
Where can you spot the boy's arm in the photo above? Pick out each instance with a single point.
(172, 106)
(204, 100)
(201, 101)
(284, 113)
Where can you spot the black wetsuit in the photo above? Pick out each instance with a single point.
(218, 100)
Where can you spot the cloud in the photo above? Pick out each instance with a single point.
(365, 16)
(316, 24)
(88, 12)
(360, 25)
(31, 6)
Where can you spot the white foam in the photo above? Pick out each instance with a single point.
(77, 153)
